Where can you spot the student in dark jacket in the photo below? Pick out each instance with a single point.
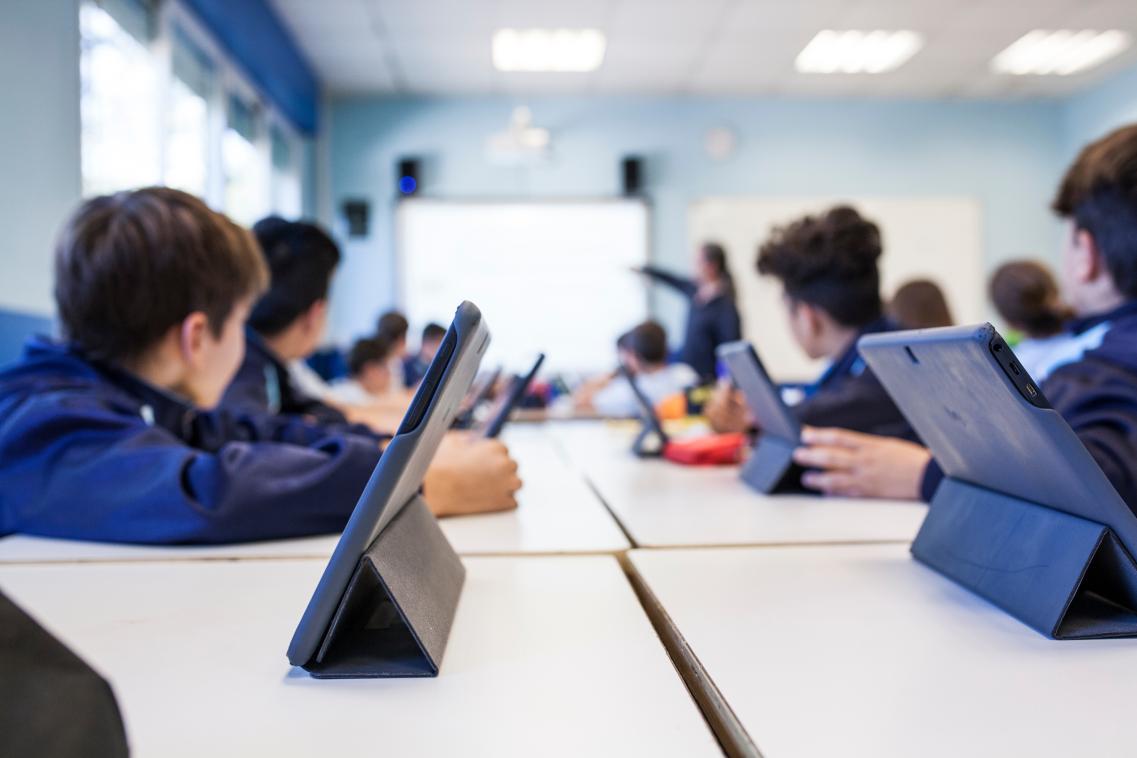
(713, 316)
(107, 436)
(467, 475)
(828, 267)
(1095, 389)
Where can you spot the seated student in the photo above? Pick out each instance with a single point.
(392, 326)
(920, 304)
(369, 378)
(106, 436)
(288, 322)
(414, 366)
(1027, 298)
(827, 265)
(643, 351)
(1095, 391)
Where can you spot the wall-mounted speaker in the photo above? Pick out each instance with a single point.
(357, 213)
(407, 179)
(631, 172)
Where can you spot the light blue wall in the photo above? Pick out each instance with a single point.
(1093, 113)
(1008, 155)
(39, 143)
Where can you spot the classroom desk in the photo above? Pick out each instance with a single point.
(862, 651)
(558, 514)
(663, 504)
(548, 656)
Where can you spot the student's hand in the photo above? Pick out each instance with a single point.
(726, 410)
(861, 465)
(470, 475)
(383, 419)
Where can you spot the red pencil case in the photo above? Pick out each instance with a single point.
(712, 450)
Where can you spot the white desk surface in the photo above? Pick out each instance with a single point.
(548, 656)
(663, 504)
(861, 651)
(558, 513)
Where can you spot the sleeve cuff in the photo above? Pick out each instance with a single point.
(930, 482)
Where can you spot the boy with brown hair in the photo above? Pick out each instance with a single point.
(105, 436)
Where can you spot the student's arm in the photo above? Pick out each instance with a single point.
(115, 480)
(850, 464)
(1101, 408)
(684, 285)
(859, 403)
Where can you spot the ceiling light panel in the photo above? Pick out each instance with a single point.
(548, 50)
(858, 52)
(1059, 53)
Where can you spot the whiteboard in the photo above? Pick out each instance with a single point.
(548, 276)
(938, 238)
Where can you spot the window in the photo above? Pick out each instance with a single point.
(246, 195)
(118, 98)
(287, 194)
(187, 153)
(161, 103)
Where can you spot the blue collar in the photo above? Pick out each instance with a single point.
(1085, 323)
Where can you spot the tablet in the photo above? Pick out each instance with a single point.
(652, 424)
(988, 423)
(763, 398)
(398, 476)
(513, 398)
(480, 391)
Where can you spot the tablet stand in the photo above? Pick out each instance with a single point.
(1065, 576)
(768, 467)
(395, 615)
(651, 440)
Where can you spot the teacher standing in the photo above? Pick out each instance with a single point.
(713, 317)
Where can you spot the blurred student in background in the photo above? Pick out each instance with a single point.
(1027, 298)
(643, 351)
(828, 267)
(415, 366)
(393, 327)
(287, 323)
(713, 316)
(369, 373)
(1094, 388)
(920, 304)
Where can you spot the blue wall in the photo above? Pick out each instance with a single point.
(39, 143)
(1008, 155)
(1091, 114)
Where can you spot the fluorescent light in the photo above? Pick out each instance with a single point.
(1060, 52)
(858, 52)
(548, 49)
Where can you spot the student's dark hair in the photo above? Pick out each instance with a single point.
(301, 258)
(365, 351)
(920, 304)
(1027, 298)
(715, 255)
(433, 332)
(130, 266)
(1099, 193)
(648, 341)
(393, 326)
(829, 261)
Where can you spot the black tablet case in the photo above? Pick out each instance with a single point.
(651, 440)
(54, 704)
(770, 467)
(394, 618)
(394, 614)
(1025, 517)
